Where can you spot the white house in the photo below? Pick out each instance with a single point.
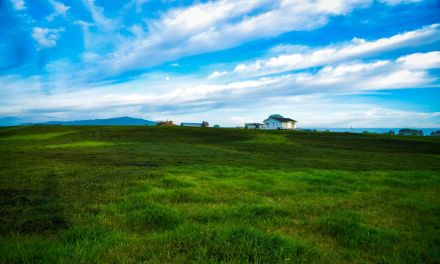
(279, 122)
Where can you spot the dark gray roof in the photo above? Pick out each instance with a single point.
(282, 119)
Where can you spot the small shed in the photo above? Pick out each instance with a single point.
(191, 124)
(253, 125)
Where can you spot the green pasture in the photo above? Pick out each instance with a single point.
(204, 195)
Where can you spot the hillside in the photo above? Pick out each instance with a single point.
(89, 194)
(115, 121)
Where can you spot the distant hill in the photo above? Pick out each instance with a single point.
(116, 121)
(10, 121)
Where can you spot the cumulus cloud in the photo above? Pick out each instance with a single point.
(429, 60)
(356, 49)
(45, 37)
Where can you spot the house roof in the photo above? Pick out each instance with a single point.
(282, 119)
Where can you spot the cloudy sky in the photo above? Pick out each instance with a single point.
(338, 63)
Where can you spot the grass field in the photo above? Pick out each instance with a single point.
(189, 195)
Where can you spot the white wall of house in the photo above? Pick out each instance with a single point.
(272, 124)
(275, 124)
(289, 125)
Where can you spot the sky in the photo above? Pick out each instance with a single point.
(338, 63)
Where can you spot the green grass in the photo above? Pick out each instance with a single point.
(191, 195)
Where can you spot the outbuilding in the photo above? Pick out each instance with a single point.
(191, 124)
(253, 125)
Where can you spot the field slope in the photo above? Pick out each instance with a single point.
(193, 195)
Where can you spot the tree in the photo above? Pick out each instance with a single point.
(205, 124)
(391, 132)
(410, 132)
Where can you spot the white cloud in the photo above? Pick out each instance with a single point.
(201, 28)
(45, 37)
(183, 95)
(219, 25)
(18, 4)
(60, 9)
(101, 35)
(354, 77)
(137, 4)
(98, 15)
(398, 80)
(429, 60)
(356, 49)
(103, 102)
(217, 74)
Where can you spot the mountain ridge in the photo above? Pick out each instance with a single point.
(114, 121)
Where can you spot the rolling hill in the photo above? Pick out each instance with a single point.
(116, 121)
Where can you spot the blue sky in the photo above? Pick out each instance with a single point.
(339, 63)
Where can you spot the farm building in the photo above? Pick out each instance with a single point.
(253, 125)
(279, 122)
(203, 124)
(191, 124)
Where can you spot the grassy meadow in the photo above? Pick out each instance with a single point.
(194, 195)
